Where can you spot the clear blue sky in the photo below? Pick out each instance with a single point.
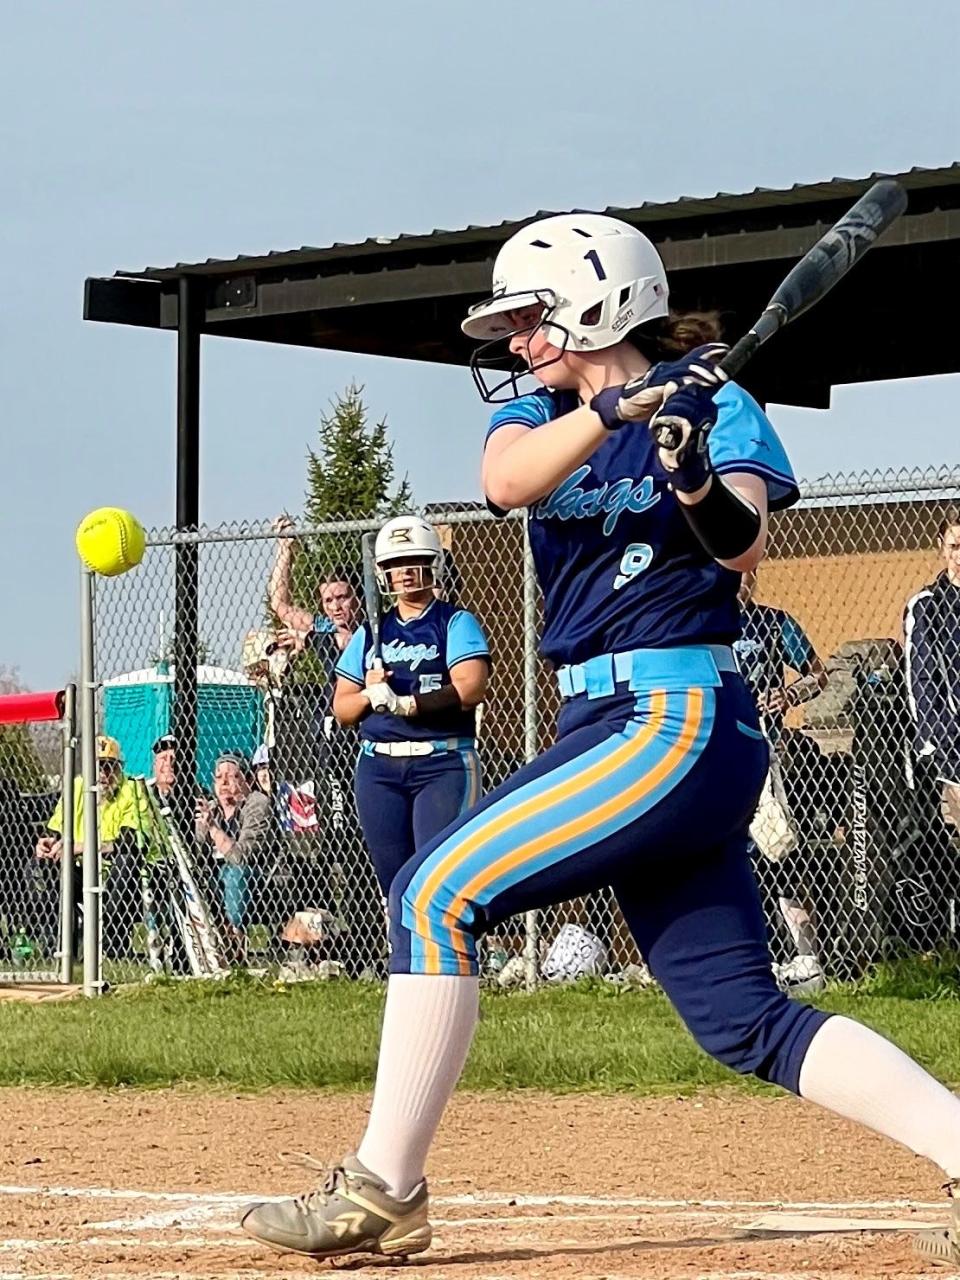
(135, 133)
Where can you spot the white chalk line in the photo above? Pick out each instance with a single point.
(133, 1227)
(516, 1224)
(195, 1210)
(206, 1210)
(168, 1221)
(491, 1199)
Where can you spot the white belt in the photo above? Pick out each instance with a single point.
(413, 747)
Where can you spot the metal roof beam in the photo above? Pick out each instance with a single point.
(240, 295)
(792, 242)
(113, 300)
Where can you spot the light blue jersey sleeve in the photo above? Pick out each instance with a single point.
(797, 649)
(352, 664)
(465, 639)
(532, 410)
(744, 440)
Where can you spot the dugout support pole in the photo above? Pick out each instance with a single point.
(186, 590)
(92, 950)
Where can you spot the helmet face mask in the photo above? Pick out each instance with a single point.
(408, 542)
(419, 571)
(597, 278)
(494, 356)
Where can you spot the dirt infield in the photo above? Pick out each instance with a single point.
(134, 1184)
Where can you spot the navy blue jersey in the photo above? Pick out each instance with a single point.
(617, 562)
(771, 640)
(420, 653)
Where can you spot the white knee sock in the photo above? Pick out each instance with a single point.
(851, 1070)
(428, 1025)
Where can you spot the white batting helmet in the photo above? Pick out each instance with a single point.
(596, 276)
(407, 538)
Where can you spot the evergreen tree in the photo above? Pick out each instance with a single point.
(350, 476)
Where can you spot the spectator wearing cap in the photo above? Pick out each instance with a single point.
(236, 828)
(124, 830)
(164, 767)
(261, 769)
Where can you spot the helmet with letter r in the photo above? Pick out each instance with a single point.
(408, 556)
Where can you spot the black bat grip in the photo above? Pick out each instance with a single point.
(772, 319)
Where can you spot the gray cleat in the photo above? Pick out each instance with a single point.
(943, 1246)
(351, 1212)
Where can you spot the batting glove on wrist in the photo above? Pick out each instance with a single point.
(639, 399)
(606, 404)
(406, 705)
(681, 431)
(381, 697)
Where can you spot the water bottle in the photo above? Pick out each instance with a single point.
(496, 959)
(22, 950)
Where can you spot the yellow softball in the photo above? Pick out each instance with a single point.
(110, 541)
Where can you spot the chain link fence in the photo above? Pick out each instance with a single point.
(856, 839)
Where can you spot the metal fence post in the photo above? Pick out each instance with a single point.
(531, 728)
(68, 774)
(92, 950)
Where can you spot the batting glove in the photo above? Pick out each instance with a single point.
(699, 366)
(381, 697)
(639, 399)
(681, 432)
(406, 705)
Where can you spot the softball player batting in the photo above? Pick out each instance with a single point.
(416, 705)
(659, 761)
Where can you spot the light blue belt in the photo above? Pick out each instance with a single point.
(643, 670)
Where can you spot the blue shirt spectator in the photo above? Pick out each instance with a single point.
(771, 640)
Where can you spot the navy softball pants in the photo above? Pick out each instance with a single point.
(650, 791)
(405, 801)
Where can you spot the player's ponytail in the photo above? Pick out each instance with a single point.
(676, 334)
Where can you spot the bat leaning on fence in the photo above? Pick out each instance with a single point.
(192, 915)
(147, 896)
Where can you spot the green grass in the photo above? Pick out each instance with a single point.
(323, 1035)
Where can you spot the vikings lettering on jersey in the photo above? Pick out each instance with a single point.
(420, 654)
(572, 501)
(617, 562)
(396, 654)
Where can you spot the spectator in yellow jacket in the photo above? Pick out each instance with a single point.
(124, 829)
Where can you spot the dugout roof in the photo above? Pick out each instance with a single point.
(404, 296)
